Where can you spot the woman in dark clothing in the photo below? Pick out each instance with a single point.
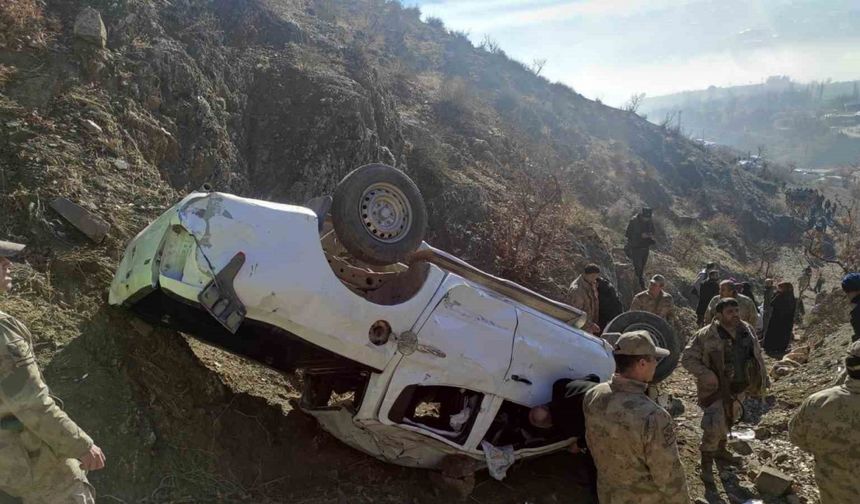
(746, 290)
(779, 330)
(708, 289)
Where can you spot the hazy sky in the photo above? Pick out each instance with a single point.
(610, 49)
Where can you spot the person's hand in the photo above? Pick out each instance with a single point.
(594, 329)
(574, 447)
(93, 460)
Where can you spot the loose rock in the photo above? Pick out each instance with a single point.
(740, 447)
(90, 28)
(772, 481)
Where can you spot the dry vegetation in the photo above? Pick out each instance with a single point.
(23, 24)
(527, 227)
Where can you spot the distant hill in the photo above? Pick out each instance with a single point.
(809, 124)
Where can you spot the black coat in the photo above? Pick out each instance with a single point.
(636, 228)
(608, 303)
(707, 291)
(566, 406)
(779, 330)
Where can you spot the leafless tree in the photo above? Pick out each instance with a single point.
(490, 45)
(634, 102)
(537, 65)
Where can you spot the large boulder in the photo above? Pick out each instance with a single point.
(90, 28)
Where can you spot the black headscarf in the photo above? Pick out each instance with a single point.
(748, 292)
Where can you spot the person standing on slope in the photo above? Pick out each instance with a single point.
(43, 453)
(640, 239)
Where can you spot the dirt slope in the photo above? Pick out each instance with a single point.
(278, 100)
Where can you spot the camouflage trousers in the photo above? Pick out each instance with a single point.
(715, 424)
(39, 477)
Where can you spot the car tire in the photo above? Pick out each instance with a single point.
(662, 333)
(379, 214)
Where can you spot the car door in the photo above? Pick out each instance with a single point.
(457, 364)
(546, 350)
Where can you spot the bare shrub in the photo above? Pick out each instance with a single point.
(537, 66)
(491, 45)
(634, 102)
(687, 245)
(766, 252)
(723, 227)
(526, 228)
(23, 24)
(6, 73)
(455, 99)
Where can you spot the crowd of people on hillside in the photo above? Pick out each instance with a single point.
(631, 437)
(812, 207)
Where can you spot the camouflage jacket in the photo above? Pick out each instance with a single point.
(747, 308)
(632, 440)
(662, 305)
(706, 351)
(827, 425)
(25, 397)
(583, 295)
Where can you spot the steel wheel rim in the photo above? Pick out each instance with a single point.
(385, 212)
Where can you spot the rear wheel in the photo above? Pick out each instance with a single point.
(661, 332)
(379, 214)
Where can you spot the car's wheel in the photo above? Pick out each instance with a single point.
(662, 333)
(379, 214)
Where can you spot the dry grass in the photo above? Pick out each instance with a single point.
(23, 24)
(6, 73)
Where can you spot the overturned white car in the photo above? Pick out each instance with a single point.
(406, 352)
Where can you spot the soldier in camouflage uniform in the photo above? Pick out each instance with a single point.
(728, 289)
(43, 453)
(631, 438)
(726, 360)
(827, 425)
(655, 300)
(584, 296)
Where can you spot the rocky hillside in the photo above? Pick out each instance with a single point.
(278, 99)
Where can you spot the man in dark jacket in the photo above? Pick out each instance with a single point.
(608, 303)
(851, 287)
(640, 238)
(708, 289)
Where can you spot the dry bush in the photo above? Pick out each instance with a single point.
(723, 227)
(455, 100)
(527, 229)
(767, 253)
(23, 23)
(687, 245)
(6, 73)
